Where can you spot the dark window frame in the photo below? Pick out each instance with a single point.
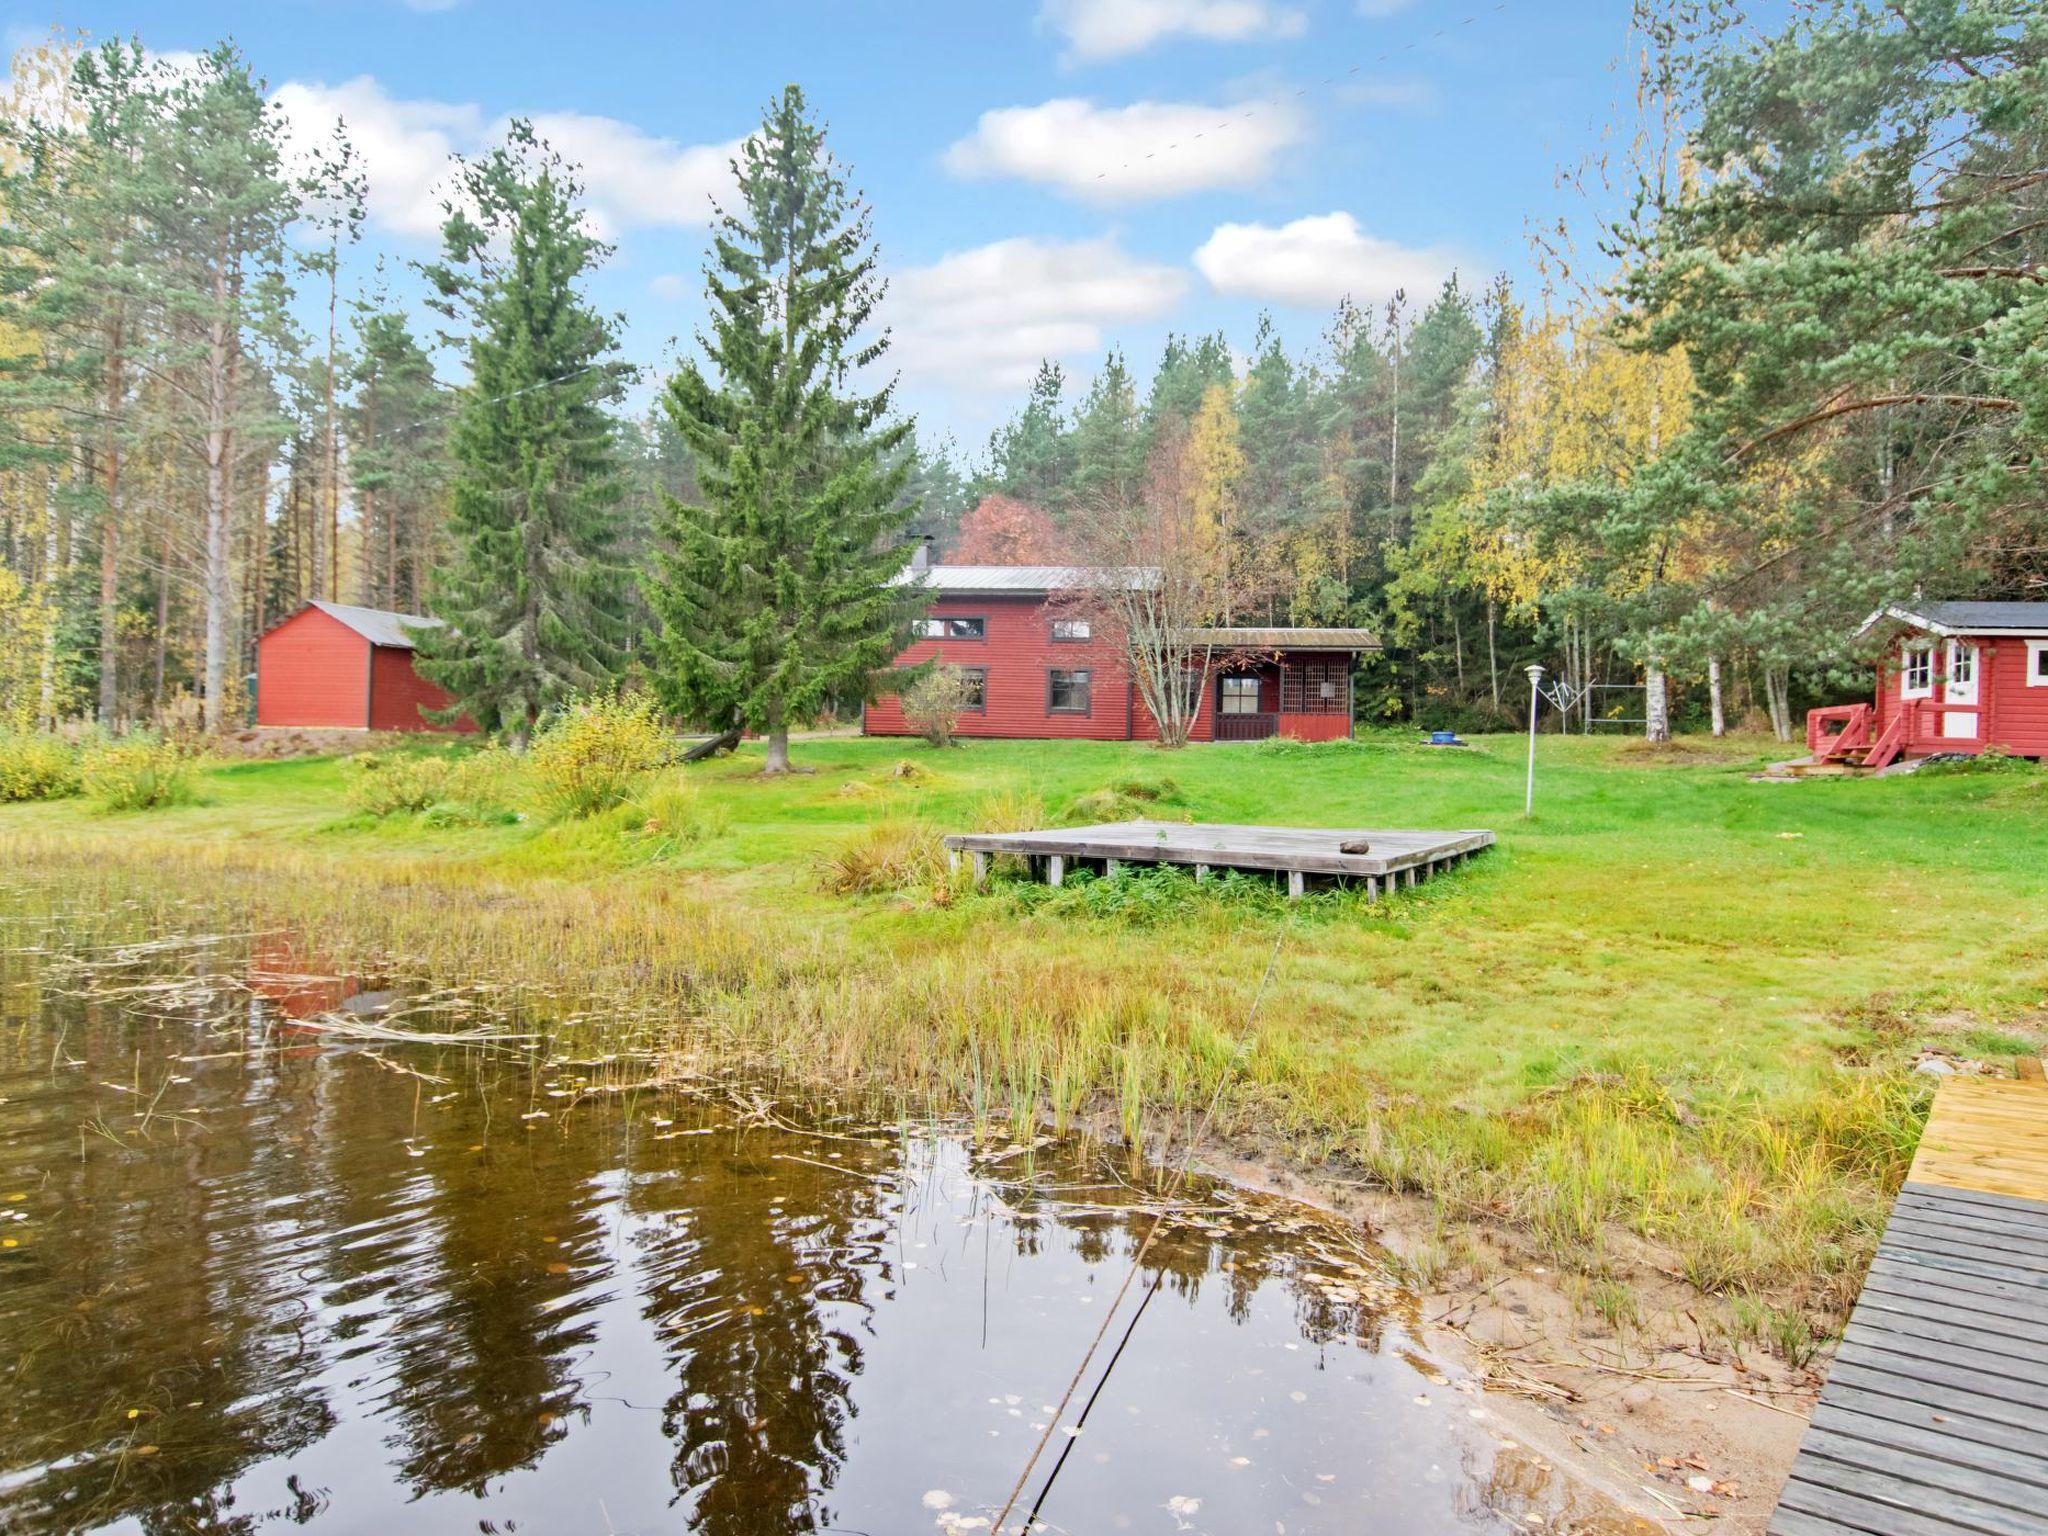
(1087, 677)
(980, 675)
(1225, 693)
(1087, 625)
(980, 638)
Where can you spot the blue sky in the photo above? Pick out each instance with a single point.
(1003, 144)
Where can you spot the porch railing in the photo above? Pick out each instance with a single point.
(1246, 727)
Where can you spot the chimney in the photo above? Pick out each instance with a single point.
(921, 553)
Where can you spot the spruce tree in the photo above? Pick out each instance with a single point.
(535, 600)
(776, 597)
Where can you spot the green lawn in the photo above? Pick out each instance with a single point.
(1677, 1003)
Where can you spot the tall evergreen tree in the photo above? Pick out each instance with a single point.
(398, 442)
(777, 598)
(1031, 456)
(1109, 439)
(535, 599)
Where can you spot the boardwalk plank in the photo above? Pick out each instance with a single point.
(1969, 1443)
(1918, 1468)
(1885, 1314)
(1912, 1507)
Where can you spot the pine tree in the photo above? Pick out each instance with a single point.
(1109, 440)
(1032, 456)
(535, 599)
(777, 597)
(398, 436)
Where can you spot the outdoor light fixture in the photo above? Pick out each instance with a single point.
(1535, 670)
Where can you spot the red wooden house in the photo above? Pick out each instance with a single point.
(334, 667)
(1952, 677)
(1036, 669)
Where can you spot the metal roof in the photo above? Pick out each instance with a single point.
(1966, 618)
(1289, 639)
(1019, 580)
(377, 625)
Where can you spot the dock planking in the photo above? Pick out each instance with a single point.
(1934, 1420)
(1390, 857)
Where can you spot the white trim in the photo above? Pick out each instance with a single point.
(2037, 663)
(1907, 651)
(1928, 626)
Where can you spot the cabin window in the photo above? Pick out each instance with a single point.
(1066, 691)
(1073, 629)
(1240, 696)
(1962, 662)
(974, 683)
(956, 629)
(2037, 663)
(1916, 675)
(1318, 686)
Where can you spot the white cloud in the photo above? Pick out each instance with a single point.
(1119, 154)
(1316, 261)
(405, 145)
(1110, 29)
(981, 319)
(634, 180)
(1380, 9)
(672, 286)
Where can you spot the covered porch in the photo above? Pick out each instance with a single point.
(1266, 683)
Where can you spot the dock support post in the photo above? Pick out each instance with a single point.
(1408, 875)
(1201, 873)
(980, 870)
(1297, 883)
(1110, 868)
(1055, 869)
(1372, 889)
(953, 860)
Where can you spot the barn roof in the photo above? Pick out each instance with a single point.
(379, 626)
(1017, 580)
(1288, 639)
(1966, 618)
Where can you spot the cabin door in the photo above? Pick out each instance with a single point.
(1960, 688)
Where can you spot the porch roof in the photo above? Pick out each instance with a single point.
(1287, 639)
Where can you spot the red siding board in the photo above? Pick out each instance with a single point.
(314, 671)
(400, 697)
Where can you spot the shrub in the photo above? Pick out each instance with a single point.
(589, 758)
(396, 783)
(888, 856)
(934, 702)
(36, 767)
(137, 773)
(1991, 760)
(669, 814)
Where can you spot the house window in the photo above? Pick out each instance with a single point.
(1240, 696)
(956, 629)
(1962, 663)
(975, 682)
(1916, 676)
(1066, 691)
(1073, 629)
(2037, 663)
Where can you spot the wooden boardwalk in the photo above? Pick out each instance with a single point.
(1381, 859)
(1934, 1420)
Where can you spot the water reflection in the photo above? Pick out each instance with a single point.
(259, 1277)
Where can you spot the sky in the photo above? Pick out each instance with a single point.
(1048, 178)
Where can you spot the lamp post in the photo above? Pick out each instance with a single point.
(1535, 671)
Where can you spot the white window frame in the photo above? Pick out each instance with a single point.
(2037, 663)
(1923, 651)
(1964, 652)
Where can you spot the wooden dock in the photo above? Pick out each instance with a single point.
(1934, 1420)
(1381, 859)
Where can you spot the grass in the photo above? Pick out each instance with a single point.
(1674, 1013)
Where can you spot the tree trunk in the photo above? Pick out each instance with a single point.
(1715, 706)
(46, 693)
(1656, 705)
(333, 451)
(219, 494)
(1492, 656)
(778, 751)
(163, 614)
(110, 546)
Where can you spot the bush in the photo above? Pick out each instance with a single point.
(888, 856)
(36, 767)
(1990, 760)
(589, 758)
(396, 784)
(669, 814)
(933, 704)
(137, 773)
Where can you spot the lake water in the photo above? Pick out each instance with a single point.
(257, 1274)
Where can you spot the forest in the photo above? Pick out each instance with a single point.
(1793, 363)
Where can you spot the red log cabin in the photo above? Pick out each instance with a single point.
(331, 666)
(1037, 669)
(1953, 677)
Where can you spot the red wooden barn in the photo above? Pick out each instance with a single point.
(1952, 677)
(335, 667)
(1036, 669)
